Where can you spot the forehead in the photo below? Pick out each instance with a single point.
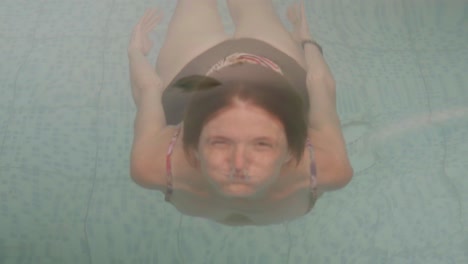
(244, 121)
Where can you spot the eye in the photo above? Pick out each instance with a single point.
(263, 144)
(218, 142)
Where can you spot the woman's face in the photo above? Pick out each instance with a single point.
(242, 150)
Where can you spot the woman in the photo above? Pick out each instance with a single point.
(241, 129)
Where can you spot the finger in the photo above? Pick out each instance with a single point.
(151, 16)
(147, 16)
(144, 19)
(151, 27)
(155, 19)
(153, 22)
(292, 13)
(302, 9)
(289, 14)
(296, 9)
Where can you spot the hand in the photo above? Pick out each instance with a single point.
(297, 16)
(140, 39)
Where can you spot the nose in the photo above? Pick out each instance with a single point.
(239, 158)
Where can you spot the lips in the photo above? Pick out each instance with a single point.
(240, 177)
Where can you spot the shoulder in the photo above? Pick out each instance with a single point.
(148, 159)
(334, 170)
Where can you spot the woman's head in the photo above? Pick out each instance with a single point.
(241, 133)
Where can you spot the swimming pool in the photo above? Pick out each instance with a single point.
(66, 124)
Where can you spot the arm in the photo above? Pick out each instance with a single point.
(321, 87)
(325, 127)
(333, 166)
(320, 81)
(147, 89)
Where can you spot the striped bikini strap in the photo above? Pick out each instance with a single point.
(313, 167)
(169, 186)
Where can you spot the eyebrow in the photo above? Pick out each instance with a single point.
(226, 138)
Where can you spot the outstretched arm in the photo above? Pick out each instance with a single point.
(325, 129)
(147, 87)
(325, 132)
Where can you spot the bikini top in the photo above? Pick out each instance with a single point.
(169, 186)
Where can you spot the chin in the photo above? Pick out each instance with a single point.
(239, 190)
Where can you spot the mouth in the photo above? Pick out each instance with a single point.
(239, 177)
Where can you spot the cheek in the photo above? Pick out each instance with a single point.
(266, 162)
(212, 159)
(266, 156)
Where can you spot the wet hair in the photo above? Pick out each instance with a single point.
(209, 96)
